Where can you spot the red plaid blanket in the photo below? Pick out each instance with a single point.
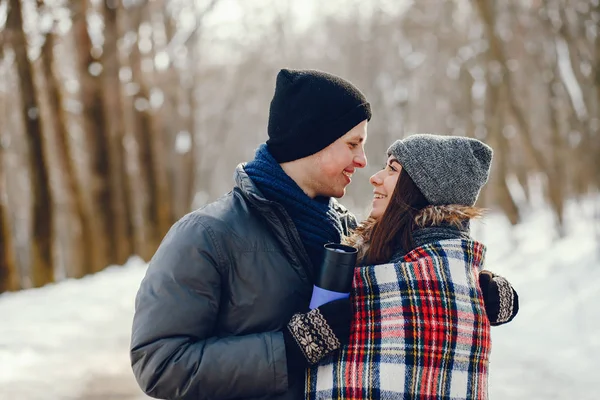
(420, 330)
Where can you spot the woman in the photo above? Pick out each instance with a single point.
(420, 329)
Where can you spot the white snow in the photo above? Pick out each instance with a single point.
(551, 349)
(70, 340)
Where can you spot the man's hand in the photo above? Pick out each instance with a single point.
(311, 336)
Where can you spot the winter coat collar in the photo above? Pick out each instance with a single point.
(437, 223)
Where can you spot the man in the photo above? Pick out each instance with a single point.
(220, 313)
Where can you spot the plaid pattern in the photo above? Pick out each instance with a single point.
(419, 330)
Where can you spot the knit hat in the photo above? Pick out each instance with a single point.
(310, 110)
(447, 169)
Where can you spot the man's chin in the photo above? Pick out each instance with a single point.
(339, 194)
(333, 192)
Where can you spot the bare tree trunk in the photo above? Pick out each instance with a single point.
(204, 172)
(507, 202)
(99, 148)
(189, 159)
(186, 168)
(575, 63)
(158, 212)
(556, 177)
(9, 276)
(176, 105)
(596, 152)
(496, 52)
(465, 108)
(83, 251)
(500, 143)
(495, 109)
(579, 120)
(120, 185)
(42, 268)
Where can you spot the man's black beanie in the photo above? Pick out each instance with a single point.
(310, 110)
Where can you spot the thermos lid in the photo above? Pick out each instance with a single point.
(341, 253)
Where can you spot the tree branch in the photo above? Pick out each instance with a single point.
(181, 38)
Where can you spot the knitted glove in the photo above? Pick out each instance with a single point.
(311, 336)
(499, 297)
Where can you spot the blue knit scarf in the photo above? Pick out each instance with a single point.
(315, 220)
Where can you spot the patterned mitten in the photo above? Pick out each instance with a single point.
(311, 336)
(499, 297)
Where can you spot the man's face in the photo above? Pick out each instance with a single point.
(331, 169)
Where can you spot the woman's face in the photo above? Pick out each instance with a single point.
(384, 183)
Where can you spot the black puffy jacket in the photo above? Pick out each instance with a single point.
(209, 312)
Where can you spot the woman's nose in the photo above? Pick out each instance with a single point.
(375, 180)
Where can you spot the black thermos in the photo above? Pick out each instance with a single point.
(334, 278)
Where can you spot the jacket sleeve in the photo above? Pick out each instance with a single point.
(174, 353)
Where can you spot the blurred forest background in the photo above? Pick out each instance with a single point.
(118, 117)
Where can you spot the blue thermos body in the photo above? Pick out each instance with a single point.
(334, 278)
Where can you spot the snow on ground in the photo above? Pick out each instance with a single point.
(551, 349)
(69, 341)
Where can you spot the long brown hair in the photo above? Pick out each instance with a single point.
(378, 239)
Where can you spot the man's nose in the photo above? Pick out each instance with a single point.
(361, 160)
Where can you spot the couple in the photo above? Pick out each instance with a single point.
(222, 312)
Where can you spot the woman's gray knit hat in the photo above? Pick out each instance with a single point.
(447, 169)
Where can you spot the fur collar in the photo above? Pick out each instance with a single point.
(453, 214)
